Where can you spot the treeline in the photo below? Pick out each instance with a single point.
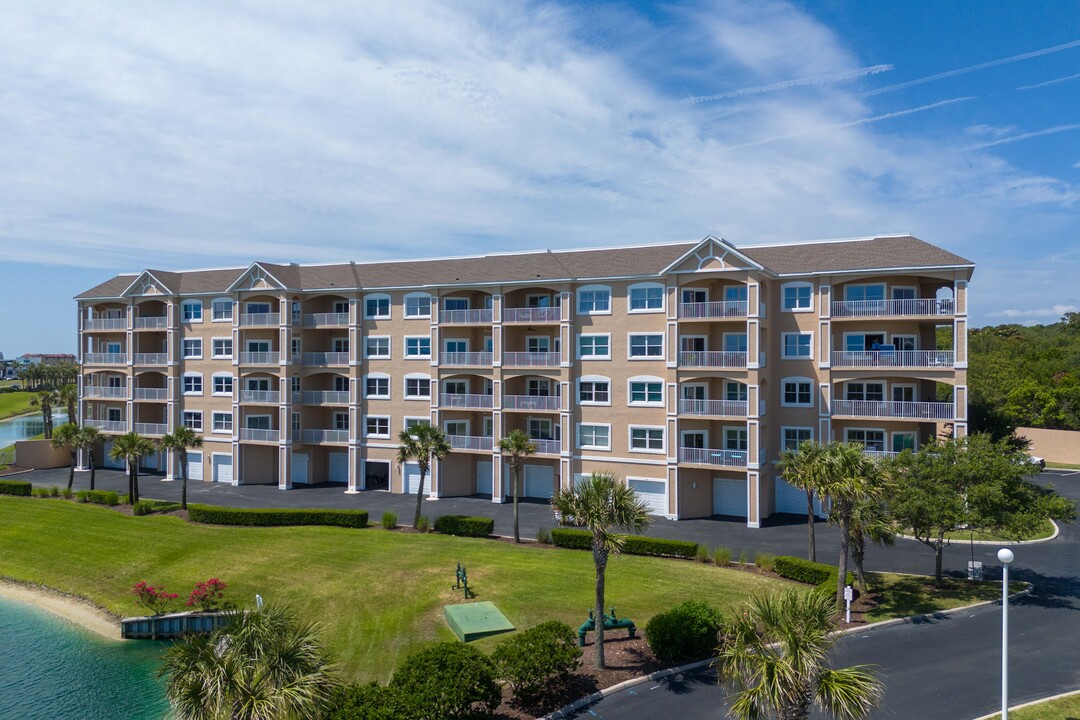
(1025, 376)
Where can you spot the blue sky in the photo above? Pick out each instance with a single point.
(180, 135)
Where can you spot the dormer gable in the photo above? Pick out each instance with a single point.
(256, 277)
(147, 284)
(712, 254)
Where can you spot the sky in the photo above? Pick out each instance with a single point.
(201, 134)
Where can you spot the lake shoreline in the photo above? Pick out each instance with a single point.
(79, 611)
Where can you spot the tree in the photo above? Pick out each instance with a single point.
(45, 399)
(69, 396)
(851, 476)
(774, 653)
(870, 520)
(804, 468)
(89, 438)
(518, 446)
(180, 441)
(421, 443)
(601, 503)
(67, 438)
(263, 664)
(130, 448)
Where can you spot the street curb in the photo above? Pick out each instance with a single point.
(18, 472)
(660, 674)
(1033, 702)
(1053, 536)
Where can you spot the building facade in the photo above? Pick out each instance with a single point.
(685, 368)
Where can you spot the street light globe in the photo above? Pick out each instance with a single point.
(1005, 555)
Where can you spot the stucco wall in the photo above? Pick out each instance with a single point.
(40, 454)
(1060, 446)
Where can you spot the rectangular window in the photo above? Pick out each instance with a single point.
(794, 437)
(903, 393)
(597, 437)
(417, 388)
(870, 439)
(651, 346)
(594, 346)
(410, 423)
(377, 308)
(538, 387)
(735, 293)
(736, 439)
(377, 387)
(223, 422)
(540, 429)
(902, 441)
(192, 347)
(114, 414)
(456, 346)
(905, 342)
(646, 393)
(417, 306)
(377, 346)
(456, 427)
(735, 342)
(537, 344)
(377, 426)
(257, 308)
(647, 439)
(693, 295)
(797, 345)
(223, 384)
(295, 423)
(257, 422)
(595, 391)
(191, 311)
(341, 421)
(193, 420)
(222, 310)
(798, 392)
(294, 383)
(456, 303)
(871, 391)
(418, 346)
(193, 384)
(797, 297)
(222, 347)
(455, 387)
(594, 301)
(735, 391)
(861, 293)
(650, 297)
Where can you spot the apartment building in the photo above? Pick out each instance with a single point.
(685, 368)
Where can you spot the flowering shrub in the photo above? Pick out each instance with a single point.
(207, 595)
(154, 599)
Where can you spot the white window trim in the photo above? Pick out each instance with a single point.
(447, 341)
(377, 376)
(213, 351)
(268, 416)
(593, 357)
(704, 432)
(796, 379)
(378, 296)
(248, 310)
(577, 436)
(192, 392)
(884, 289)
(889, 290)
(592, 288)
(183, 348)
(219, 301)
(593, 379)
(695, 290)
(783, 345)
(194, 414)
(213, 422)
(426, 297)
(893, 338)
(416, 376)
(447, 422)
(405, 347)
(864, 382)
(795, 285)
(785, 428)
(630, 439)
(736, 428)
(892, 438)
(695, 384)
(725, 336)
(914, 390)
(377, 417)
(645, 286)
(426, 419)
(652, 358)
(468, 302)
(862, 333)
(221, 375)
(191, 303)
(389, 342)
(630, 402)
(884, 434)
(694, 337)
(745, 386)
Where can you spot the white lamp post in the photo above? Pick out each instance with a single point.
(1005, 555)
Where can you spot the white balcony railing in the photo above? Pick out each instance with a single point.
(897, 409)
(709, 456)
(466, 359)
(893, 358)
(532, 315)
(548, 403)
(450, 401)
(713, 310)
(466, 317)
(152, 359)
(104, 358)
(109, 426)
(532, 359)
(260, 397)
(894, 308)
(151, 394)
(716, 408)
(326, 397)
(325, 436)
(152, 429)
(259, 435)
(880, 454)
(105, 324)
(470, 442)
(547, 447)
(260, 319)
(324, 359)
(260, 358)
(151, 322)
(320, 320)
(99, 392)
(712, 359)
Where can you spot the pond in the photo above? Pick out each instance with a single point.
(26, 427)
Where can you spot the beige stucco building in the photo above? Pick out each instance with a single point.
(686, 368)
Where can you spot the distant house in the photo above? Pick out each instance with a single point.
(47, 358)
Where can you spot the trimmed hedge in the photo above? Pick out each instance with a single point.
(464, 525)
(635, 544)
(98, 497)
(811, 573)
(213, 515)
(15, 487)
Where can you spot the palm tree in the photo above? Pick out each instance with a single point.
(773, 656)
(518, 446)
(69, 396)
(180, 441)
(600, 503)
(263, 664)
(45, 399)
(130, 448)
(804, 468)
(67, 438)
(89, 438)
(870, 520)
(421, 443)
(852, 476)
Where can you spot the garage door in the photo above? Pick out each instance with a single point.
(484, 478)
(339, 467)
(222, 468)
(149, 462)
(299, 470)
(539, 481)
(652, 492)
(108, 461)
(729, 497)
(412, 479)
(194, 465)
(793, 500)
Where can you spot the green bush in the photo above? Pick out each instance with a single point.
(389, 520)
(54, 491)
(635, 544)
(448, 680)
(742, 558)
(101, 497)
(67, 494)
(143, 507)
(722, 556)
(41, 492)
(213, 515)
(804, 571)
(365, 702)
(124, 499)
(542, 653)
(543, 536)
(464, 526)
(423, 524)
(80, 496)
(702, 554)
(765, 562)
(685, 633)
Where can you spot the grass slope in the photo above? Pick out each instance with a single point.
(16, 403)
(1066, 708)
(379, 594)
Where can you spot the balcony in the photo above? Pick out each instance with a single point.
(325, 359)
(151, 429)
(712, 359)
(931, 307)
(547, 447)
(475, 443)
(941, 359)
(260, 397)
(718, 310)
(452, 401)
(98, 392)
(326, 397)
(532, 315)
(543, 403)
(466, 317)
(713, 458)
(104, 359)
(151, 322)
(894, 409)
(260, 319)
(714, 408)
(151, 394)
(326, 320)
(151, 359)
(880, 454)
(259, 435)
(317, 437)
(532, 359)
(108, 426)
(466, 359)
(260, 358)
(108, 324)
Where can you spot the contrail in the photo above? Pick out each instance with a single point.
(784, 85)
(1027, 136)
(973, 68)
(1048, 82)
(862, 121)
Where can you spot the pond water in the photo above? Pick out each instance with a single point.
(52, 669)
(27, 426)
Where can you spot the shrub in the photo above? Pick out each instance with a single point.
(811, 573)
(448, 680)
(81, 496)
(41, 492)
(722, 556)
(702, 554)
(67, 494)
(545, 652)
(124, 499)
(423, 524)
(464, 525)
(54, 491)
(102, 497)
(154, 599)
(684, 633)
(207, 595)
(543, 536)
(143, 507)
(389, 520)
(742, 557)
(364, 702)
(212, 515)
(635, 544)
(764, 561)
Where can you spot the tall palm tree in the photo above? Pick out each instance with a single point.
(804, 468)
(422, 444)
(89, 438)
(263, 664)
(180, 441)
(774, 657)
(851, 476)
(870, 520)
(45, 399)
(130, 448)
(69, 397)
(601, 503)
(67, 437)
(518, 446)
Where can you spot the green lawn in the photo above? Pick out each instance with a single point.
(1062, 466)
(16, 403)
(379, 593)
(1066, 708)
(961, 536)
(906, 595)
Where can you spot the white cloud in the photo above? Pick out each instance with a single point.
(1054, 312)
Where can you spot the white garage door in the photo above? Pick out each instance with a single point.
(222, 468)
(652, 492)
(412, 479)
(484, 475)
(729, 497)
(299, 470)
(793, 500)
(108, 461)
(539, 481)
(194, 465)
(339, 467)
